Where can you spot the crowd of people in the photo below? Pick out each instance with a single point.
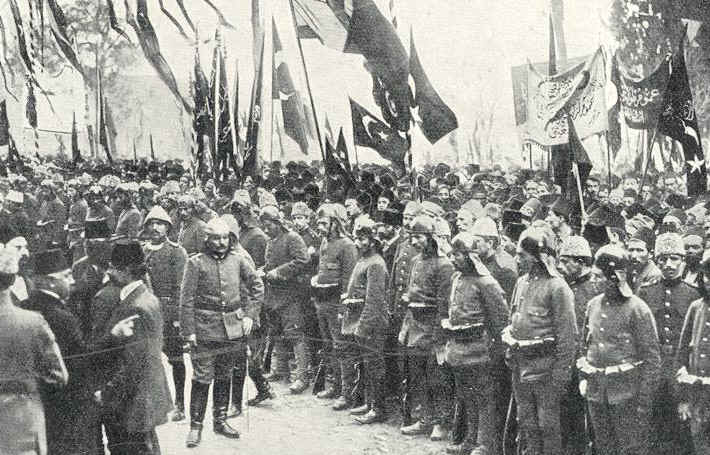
(483, 309)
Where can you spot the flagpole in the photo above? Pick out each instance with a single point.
(217, 112)
(308, 83)
(98, 103)
(648, 161)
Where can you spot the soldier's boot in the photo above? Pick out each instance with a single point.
(198, 405)
(416, 428)
(220, 400)
(347, 381)
(300, 351)
(279, 362)
(331, 391)
(235, 409)
(263, 389)
(179, 381)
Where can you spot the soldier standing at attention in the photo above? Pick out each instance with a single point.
(669, 298)
(220, 300)
(165, 261)
(621, 364)
(541, 340)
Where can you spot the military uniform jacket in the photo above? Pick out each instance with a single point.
(29, 358)
(617, 333)
(287, 256)
(254, 240)
(694, 355)
(428, 302)
(543, 306)
(312, 241)
(78, 212)
(366, 302)
(584, 288)
(213, 286)
(190, 235)
(478, 313)
(669, 301)
(399, 280)
(130, 222)
(88, 281)
(336, 260)
(103, 211)
(166, 268)
(503, 268)
(650, 273)
(54, 213)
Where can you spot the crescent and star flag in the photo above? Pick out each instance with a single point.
(679, 121)
(429, 111)
(323, 20)
(335, 166)
(341, 151)
(294, 117)
(220, 134)
(386, 60)
(369, 131)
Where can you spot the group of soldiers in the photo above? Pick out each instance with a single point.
(484, 309)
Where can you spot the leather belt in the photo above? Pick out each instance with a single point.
(683, 377)
(531, 349)
(584, 366)
(217, 307)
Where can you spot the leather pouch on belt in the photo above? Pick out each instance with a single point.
(233, 324)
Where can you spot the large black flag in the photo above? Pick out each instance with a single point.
(678, 121)
(221, 128)
(75, 152)
(21, 42)
(342, 151)
(434, 117)
(371, 132)
(252, 165)
(387, 61)
(200, 115)
(4, 124)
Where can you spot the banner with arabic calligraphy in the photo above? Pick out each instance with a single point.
(578, 92)
(642, 101)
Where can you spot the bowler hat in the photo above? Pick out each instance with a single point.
(50, 261)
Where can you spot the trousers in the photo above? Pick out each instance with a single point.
(538, 407)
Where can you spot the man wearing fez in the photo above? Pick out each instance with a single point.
(620, 366)
(165, 261)
(136, 397)
(643, 269)
(497, 260)
(220, 300)
(669, 298)
(98, 208)
(541, 340)
(30, 360)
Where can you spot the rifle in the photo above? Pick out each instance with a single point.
(319, 380)
(268, 351)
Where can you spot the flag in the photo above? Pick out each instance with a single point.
(221, 135)
(643, 101)
(341, 151)
(236, 159)
(291, 105)
(103, 129)
(387, 61)
(678, 120)
(152, 150)
(324, 21)
(21, 40)
(429, 111)
(552, 60)
(200, 115)
(569, 155)
(148, 41)
(135, 152)
(369, 131)
(31, 105)
(75, 152)
(113, 21)
(4, 124)
(252, 165)
(328, 130)
(173, 20)
(613, 137)
(335, 168)
(222, 21)
(58, 26)
(181, 5)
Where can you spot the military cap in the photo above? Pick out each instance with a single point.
(423, 224)
(669, 243)
(432, 209)
(127, 253)
(270, 213)
(610, 259)
(158, 213)
(413, 208)
(15, 196)
(694, 236)
(217, 226)
(643, 235)
(465, 242)
(678, 214)
(538, 240)
(230, 221)
(576, 246)
(186, 200)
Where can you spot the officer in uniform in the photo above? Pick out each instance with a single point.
(220, 300)
(693, 363)
(477, 314)
(621, 364)
(669, 298)
(575, 265)
(286, 260)
(426, 298)
(337, 258)
(165, 261)
(541, 340)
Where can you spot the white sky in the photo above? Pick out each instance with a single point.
(466, 46)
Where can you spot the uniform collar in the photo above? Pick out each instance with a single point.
(150, 247)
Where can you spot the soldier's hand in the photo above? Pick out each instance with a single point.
(247, 324)
(271, 275)
(192, 340)
(684, 411)
(124, 327)
(97, 396)
(583, 387)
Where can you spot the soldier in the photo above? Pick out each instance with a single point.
(365, 317)
(643, 269)
(668, 298)
(251, 236)
(497, 261)
(541, 340)
(427, 304)
(286, 259)
(165, 261)
(337, 257)
(575, 265)
(98, 208)
(621, 362)
(130, 219)
(693, 241)
(693, 363)
(188, 231)
(477, 314)
(223, 288)
(52, 217)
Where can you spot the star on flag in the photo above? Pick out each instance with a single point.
(695, 164)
